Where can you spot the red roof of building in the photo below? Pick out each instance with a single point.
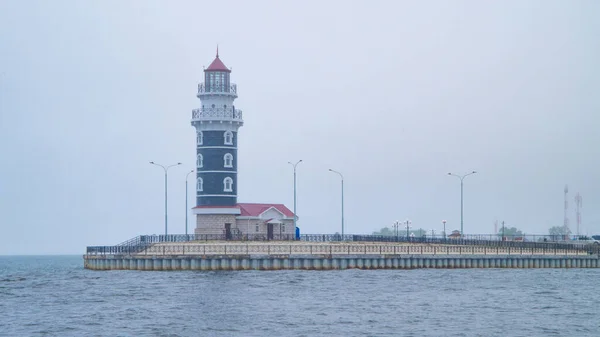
(258, 209)
(249, 209)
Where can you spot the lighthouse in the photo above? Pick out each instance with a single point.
(217, 122)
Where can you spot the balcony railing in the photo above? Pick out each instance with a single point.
(217, 114)
(217, 89)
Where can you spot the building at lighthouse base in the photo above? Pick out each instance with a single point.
(270, 221)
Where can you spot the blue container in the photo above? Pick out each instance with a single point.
(297, 233)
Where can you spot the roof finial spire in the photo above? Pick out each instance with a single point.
(217, 50)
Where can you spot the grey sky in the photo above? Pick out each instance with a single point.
(394, 94)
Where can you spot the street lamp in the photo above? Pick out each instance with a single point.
(165, 168)
(444, 222)
(407, 223)
(294, 165)
(186, 203)
(396, 226)
(461, 196)
(341, 176)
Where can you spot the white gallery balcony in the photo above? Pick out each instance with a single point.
(219, 89)
(217, 114)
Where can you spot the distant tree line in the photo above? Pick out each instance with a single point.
(559, 231)
(508, 231)
(387, 231)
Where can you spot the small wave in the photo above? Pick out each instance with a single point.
(31, 324)
(6, 292)
(544, 292)
(80, 277)
(13, 279)
(220, 329)
(345, 322)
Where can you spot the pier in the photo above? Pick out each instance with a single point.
(310, 255)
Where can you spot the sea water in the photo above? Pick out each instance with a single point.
(55, 296)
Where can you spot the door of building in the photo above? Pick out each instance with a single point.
(227, 231)
(270, 231)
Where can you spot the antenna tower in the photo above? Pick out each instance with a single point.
(496, 227)
(566, 223)
(578, 201)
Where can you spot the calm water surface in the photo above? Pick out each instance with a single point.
(55, 296)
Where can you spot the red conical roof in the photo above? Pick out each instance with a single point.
(217, 64)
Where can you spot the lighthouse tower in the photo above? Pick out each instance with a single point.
(217, 122)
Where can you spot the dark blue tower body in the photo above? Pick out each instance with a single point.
(219, 162)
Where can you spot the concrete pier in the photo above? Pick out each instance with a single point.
(327, 256)
(329, 262)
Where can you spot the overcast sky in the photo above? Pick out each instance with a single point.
(394, 94)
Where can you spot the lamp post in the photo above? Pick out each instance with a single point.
(461, 196)
(407, 223)
(396, 226)
(294, 165)
(444, 222)
(166, 169)
(341, 176)
(186, 203)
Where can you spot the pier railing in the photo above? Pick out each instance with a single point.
(143, 242)
(487, 239)
(471, 240)
(331, 249)
(439, 238)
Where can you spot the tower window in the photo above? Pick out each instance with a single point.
(199, 161)
(200, 185)
(228, 137)
(199, 138)
(228, 185)
(257, 227)
(228, 159)
(213, 106)
(283, 227)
